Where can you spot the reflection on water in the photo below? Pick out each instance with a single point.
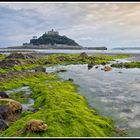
(115, 94)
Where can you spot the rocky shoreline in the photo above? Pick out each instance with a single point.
(19, 70)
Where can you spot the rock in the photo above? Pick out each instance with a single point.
(20, 56)
(83, 55)
(121, 131)
(70, 79)
(33, 109)
(5, 113)
(1, 116)
(97, 67)
(49, 61)
(119, 72)
(6, 63)
(90, 66)
(40, 69)
(14, 106)
(61, 70)
(36, 126)
(31, 61)
(127, 110)
(3, 94)
(107, 68)
(9, 109)
(3, 125)
(103, 63)
(61, 58)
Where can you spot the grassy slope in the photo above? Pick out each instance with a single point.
(65, 112)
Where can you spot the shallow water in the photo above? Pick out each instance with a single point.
(68, 51)
(115, 94)
(27, 92)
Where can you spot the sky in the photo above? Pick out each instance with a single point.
(89, 24)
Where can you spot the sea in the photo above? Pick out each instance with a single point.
(70, 51)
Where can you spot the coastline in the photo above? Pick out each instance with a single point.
(73, 51)
(62, 110)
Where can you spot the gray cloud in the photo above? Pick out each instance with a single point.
(90, 24)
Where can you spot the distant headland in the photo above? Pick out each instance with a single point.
(52, 40)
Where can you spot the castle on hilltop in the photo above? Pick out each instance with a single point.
(52, 32)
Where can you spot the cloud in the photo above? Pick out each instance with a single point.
(88, 23)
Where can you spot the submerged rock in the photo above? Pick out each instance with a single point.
(61, 70)
(97, 67)
(3, 94)
(90, 66)
(119, 72)
(3, 125)
(70, 79)
(36, 126)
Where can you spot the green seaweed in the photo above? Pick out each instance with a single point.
(127, 65)
(54, 59)
(64, 111)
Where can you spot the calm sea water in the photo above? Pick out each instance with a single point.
(70, 51)
(115, 94)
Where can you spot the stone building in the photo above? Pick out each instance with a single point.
(52, 32)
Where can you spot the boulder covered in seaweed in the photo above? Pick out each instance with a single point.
(14, 106)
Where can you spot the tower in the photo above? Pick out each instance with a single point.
(53, 32)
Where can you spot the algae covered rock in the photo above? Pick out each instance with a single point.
(83, 55)
(14, 106)
(61, 58)
(61, 70)
(9, 109)
(6, 63)
(5, 112)
(40, 69)
(36, 126)
(70, 79)
(20, 56)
